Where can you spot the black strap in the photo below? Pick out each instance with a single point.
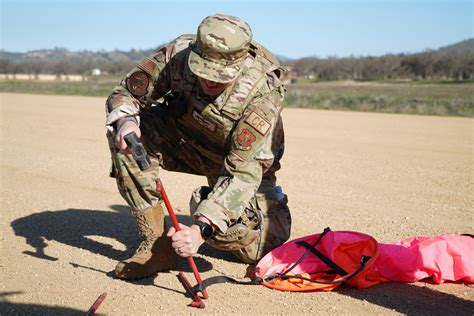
(363, 262)
(329, 262)
(222, 279)
(308, 250)
(323, 258)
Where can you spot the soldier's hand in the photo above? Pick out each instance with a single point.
(126, 128)
(187, 241)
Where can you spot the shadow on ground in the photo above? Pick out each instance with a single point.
(411, 299)
(9, 308)
(72, 226)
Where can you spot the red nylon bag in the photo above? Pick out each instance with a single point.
(321, 262)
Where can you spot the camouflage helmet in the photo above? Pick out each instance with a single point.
(221, 47)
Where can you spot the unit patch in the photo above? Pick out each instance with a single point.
(244, 140)
(204, 122)
(258, 123)
(138, 83)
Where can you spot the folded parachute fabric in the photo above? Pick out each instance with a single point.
(321, 262)
(443, 258)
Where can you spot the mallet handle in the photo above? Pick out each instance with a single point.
(192, 264)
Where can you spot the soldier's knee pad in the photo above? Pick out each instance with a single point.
(264, 225)
(239, 235)
(276, 224)
(245, 231)
(274, 231)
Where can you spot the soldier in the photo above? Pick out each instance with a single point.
(208, 105)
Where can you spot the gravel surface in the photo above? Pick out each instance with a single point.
(64, 225)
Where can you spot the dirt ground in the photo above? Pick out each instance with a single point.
(64, 225)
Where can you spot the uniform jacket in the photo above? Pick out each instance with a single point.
(236, 137)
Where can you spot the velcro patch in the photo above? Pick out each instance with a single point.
(204, 122)
(138, 83)
(244, 140)
(258, 123)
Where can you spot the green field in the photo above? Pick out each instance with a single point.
(99, 88)
(435, 98)
(424, 97)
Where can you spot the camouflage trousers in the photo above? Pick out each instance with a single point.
(264, 225)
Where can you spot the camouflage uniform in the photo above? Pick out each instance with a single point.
(234, 139)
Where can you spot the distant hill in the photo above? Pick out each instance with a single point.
(454, 61)
(60, 61)
(465, 48)
(57, 54)
(283, 59)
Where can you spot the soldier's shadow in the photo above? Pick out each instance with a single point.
(74, 227)
(411, 299)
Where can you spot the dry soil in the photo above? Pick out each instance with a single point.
(64, 225)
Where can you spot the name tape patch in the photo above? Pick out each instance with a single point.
(258, 123)
(204, 122)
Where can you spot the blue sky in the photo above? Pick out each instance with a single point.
(289, 28)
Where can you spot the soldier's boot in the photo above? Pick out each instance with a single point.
(155, 253)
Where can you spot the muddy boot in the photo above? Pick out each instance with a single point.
(154, 253)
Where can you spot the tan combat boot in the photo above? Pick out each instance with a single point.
(154, 253)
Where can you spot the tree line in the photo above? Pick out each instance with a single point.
(454, 62)
(35, 67)
(423, 66)
(61, 62)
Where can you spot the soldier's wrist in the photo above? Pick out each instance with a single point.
(204, 227)
(118, 125)
(197, 229)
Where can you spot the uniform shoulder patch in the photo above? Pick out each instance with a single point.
(244, 140)
(137, 83)
(260, 124)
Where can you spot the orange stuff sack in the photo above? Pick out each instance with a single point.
(321, 262)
